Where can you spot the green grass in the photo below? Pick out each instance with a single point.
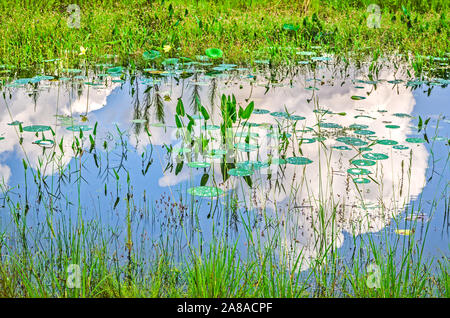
(245, 30)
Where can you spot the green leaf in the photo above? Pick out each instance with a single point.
(204, 179)
(178, 122)
(204, 112)
(419, 126)
(248, 110)
(180, 108)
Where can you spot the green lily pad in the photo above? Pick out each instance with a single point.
(358, 126)
(205, 191)
(392, 126)
(364, 132)
(151, 55)
(342, 148)
(307, 140)
(251, 165)
(361, 180)
(415, 140)
(352, 141)
(15, 123)
(212, 127)
(199, 164)
(214, 53)
(277, 161)
(279, 114)
(79, 127)
(260, 111)
(362, 162)
(358, 171)
(375, 156)
(402, 115)
(329, 125)
(400, 147)
(245, 147)
(45, 143)
(114, 70)
(296, 117)
(354, 97)
(298, 160)
(240, 172)
(387, 142)
(36, 128)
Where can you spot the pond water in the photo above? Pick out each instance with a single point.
(328, 155)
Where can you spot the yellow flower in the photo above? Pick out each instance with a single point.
(82, 50)
(167, 48)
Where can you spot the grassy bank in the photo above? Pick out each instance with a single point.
(33, 31)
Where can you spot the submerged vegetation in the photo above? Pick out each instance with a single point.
(224, 149)
(245, 31)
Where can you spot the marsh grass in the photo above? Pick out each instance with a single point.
(33, 32)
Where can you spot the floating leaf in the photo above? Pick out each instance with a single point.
(151, 55)
(205, 191)
(36, 128)
(387, 142)
(361, 180)
(362, 162)
(214, 53)
(358, 171)
(415, 140)
(240, 172)
(375, 156)
(198, 164)
(298, 160)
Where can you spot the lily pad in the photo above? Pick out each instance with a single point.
(298, 160)
(214, 53)
(79, 127)
(342, 148)
(329, 125)
(199, 164)
(400, 147)
(260, 111)
(358, 171)
(245, 147)
(415, 140)
(45, 143)
(205, 191)
(387, 142)
(240, 172)
(362, 162)
(252, 165)
(364, 132)
(361, 180)
(392, 126)
(358, 126)
(375, 156)
(36, 128)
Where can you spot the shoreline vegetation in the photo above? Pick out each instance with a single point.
(33, 32)
(245, 31)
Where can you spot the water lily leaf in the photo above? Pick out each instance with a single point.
(214, 53)
(205, 191)
(36, 128)
(151, 55)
